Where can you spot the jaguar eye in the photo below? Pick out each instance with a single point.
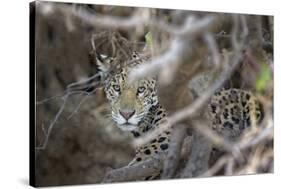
(116, 88)
(141, 89)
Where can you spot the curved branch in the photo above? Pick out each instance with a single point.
(134, 172)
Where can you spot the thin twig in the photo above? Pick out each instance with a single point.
(75, 111)
(213, 47)
(43, 146)
(218, 165)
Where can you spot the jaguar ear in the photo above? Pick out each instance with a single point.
(103, 62)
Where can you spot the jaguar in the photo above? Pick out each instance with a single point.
(135, 107)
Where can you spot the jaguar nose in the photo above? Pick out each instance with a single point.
(127, 113)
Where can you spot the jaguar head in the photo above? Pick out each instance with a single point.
(129, 102)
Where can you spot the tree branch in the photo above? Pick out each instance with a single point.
(134, 172)
(172, 160)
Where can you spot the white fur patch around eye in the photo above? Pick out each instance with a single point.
(141, 94)
(116, 93)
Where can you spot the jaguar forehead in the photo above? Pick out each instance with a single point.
(128, 99)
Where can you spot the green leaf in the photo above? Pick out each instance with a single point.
(148, 39)
(263, 78)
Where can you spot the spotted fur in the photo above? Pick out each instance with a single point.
(232, 111)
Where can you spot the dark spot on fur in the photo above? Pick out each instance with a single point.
(235, 120)
(216, 121)
(244, 103)
(247, 96)
(145, 129)
(248, 121)
(225, 115)
(233, 91)
(147, 152)
(136, 134)
(228, 125)
(161, 139)
(164, 146)
(244, 114)
(153, 141)
(138, 159)
(156, 120)
(213, 108)
(160, 112)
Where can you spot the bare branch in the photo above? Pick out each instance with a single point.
(179, 50)
(212, 45)
(134, 172)
(257, 138)
(75, 111)
(219, 164)
(172, 160)
(43, 146)
(215, 139)
(199, 157)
